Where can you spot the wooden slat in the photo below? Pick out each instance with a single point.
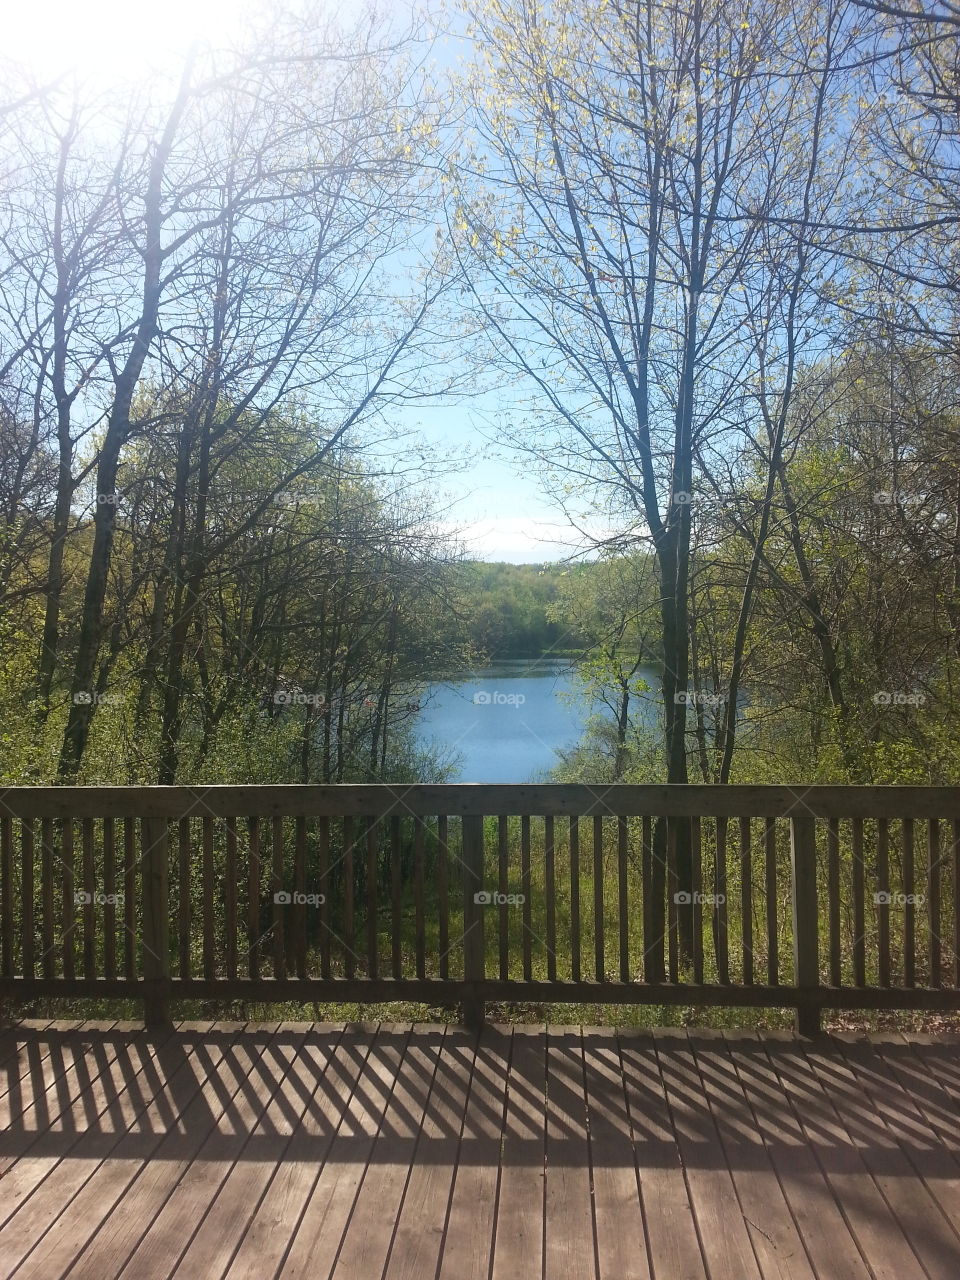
(770, 895)
(230, 877)
(209, 924)
(185, 858)
(721, 928)
(669, 1225)
(46, 884)
(746, 898)
(724, 1235)
(503, 884)
(372, 909)
(90, 889)
(766, 1214)
(299, 914)
(422, 1217)
(419, 832)
(518, 1242)
(527, 909)
(955, 886)
(652, 946)
(110, 909)
(253, 897)
(323, 871)
(598, 922)
(396, 920)
(933, 900)
(575, 970)
(909, 910)
(673, 887)
(68, 918)
(696, 866)
(883, 905)
(6, 896)
(859, 920)
(348, 942)
(620, 1240)
(568, 1214)
(277, 911)
(130, 879)
(550, 889)
(557, 799)
(623, 906)
(833, 900)
(27, 896)
(443, 900)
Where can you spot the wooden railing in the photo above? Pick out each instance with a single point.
(802, 897)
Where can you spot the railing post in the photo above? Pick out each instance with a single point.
(473, 942)
(806, 934)
(156, 921)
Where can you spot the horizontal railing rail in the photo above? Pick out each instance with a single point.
(783, 896)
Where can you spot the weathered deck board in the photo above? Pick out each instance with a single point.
(388, 1151)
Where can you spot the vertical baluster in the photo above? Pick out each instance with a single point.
(279, 938)
(371, 876)
(527, 903)
(420, 922)
(443, 894)
(185, 854)
(90, 889)
(230, 887)
(550, 887)
(6, 896)
(696, 859)
(503, 884)
(110, 909)
(575, 898)
(833, 900)
(46, 884)
(773, 944)
(68, 902)
(806, 919)
(673, 958)
(209, 919)
(348, 953)
(129, 899)
(883, 900)
(300, 906)
(396, 957)
(746, 899)
(253, 897)
(933, 898)
(622, 899)
(323, 866)
(859, 921)
(472, 861)
(652, 945)
(27, 896)
(721, 931)
(599, 958)
(909, 910)
(155, 911)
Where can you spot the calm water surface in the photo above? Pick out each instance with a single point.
(507, 721)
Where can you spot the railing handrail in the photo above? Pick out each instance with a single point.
(482, 799)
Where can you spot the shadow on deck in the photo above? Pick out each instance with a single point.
(388, 1150)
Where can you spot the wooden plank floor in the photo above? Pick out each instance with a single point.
(555, 1153)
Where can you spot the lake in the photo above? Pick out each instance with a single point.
(507, 721)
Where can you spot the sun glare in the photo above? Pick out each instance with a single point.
(113, 39)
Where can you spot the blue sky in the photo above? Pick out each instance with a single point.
(494, 501)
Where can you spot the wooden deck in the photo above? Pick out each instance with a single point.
(369, 1151)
